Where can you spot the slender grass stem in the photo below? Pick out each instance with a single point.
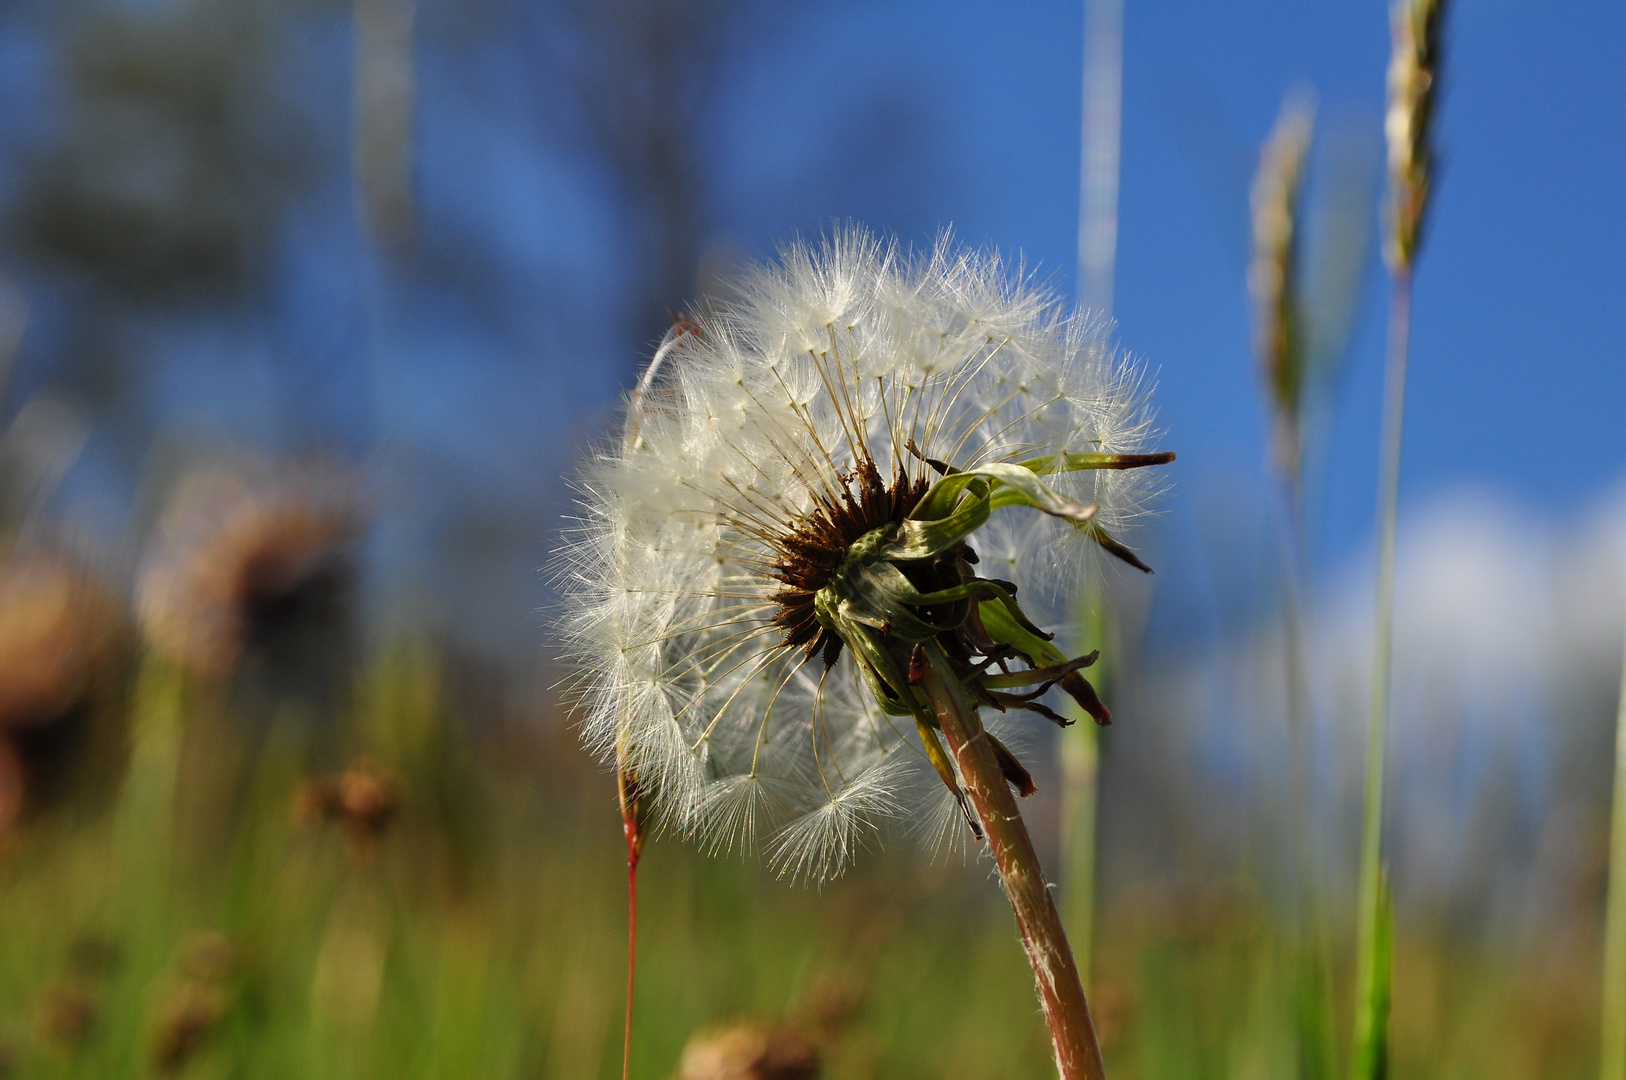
(1078, 1053)
(1612, 1051)
(1312, 999)
(1081, 790)
(1080, 799)
(1299, 750)
(1373, 934)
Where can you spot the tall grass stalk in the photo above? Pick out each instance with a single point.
(1612, 1051)
(1080, 796)
(1273, 280)
(1289, 360)
(1374, 908)
(1097, 264)
(1408, 126)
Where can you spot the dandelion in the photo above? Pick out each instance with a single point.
(773, 596)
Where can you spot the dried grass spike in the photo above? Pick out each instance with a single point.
(1273, 277)
(1414, 76)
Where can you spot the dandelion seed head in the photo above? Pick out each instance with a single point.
(804, 418)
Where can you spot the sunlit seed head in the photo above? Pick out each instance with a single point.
(846, 369)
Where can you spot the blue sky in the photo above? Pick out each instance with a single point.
(1518, 374)
(910, 116)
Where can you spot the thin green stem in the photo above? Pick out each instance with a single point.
(1372, 941)
(1312, 999)
(1295, 651)
(1061, 992)
(1080, 797)
(1612, 1055)
(1081, 794)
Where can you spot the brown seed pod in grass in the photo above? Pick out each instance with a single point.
(184, 1021)
(364, 799)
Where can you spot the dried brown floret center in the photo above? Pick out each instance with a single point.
(808, 557)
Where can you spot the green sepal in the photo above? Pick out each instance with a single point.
(944, 494)
(1053, 673)
(1054, 463)
(1005, 630)
(904, 591)
(877, 596)
(941, 499)
(918, 539)
(945, 516)
(886, 682)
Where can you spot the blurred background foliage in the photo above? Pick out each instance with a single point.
(304, 309)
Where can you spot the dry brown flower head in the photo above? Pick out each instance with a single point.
(238, 558)
(746, 1050)
(57, 631)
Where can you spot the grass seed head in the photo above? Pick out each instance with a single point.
(1414, 79)
(1273, 277)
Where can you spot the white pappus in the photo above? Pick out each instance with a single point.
(794, 507)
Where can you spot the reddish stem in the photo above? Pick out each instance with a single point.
(632, 946)
(1061, 992)
(632, 828)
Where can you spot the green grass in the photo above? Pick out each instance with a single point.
(482, 935)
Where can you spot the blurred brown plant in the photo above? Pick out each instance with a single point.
(209, 957)
(64, 663)
(363, 798)
(749, 1050)
(192, 1009)
(183, 1022)
(1414, 70)
(66, 1015)
(242, 565)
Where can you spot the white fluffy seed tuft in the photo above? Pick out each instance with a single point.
(848, 346)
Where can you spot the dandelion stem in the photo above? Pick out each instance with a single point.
(1612, 1056)
(1078, 1054)
(632, 957)
(1372, 941)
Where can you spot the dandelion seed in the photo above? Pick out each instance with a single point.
(793, 513)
